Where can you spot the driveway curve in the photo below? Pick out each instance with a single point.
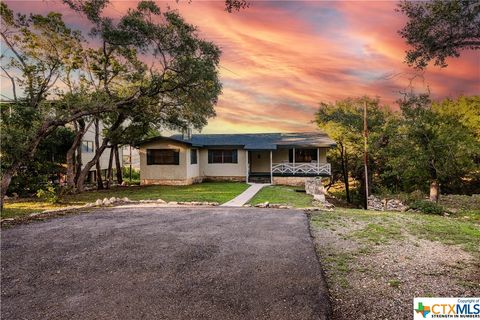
(163, 263)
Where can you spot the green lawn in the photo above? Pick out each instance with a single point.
(208, 191)
(284, 195)
(384, 227)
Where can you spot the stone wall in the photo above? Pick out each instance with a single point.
(314, 187)
(224, 178)
(377, 204)
(170, 182)
(290, 181)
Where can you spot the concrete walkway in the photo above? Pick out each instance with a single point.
(245, 196)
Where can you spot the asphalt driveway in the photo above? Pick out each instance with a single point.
(163, 263)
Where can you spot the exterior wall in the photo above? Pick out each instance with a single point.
(260, 161)
(323, 155)
(164, 174)
(280, 155)
(290, 181)
(135, 157)
(104, 158)
(222, 169)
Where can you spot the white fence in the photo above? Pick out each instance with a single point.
(302, 168)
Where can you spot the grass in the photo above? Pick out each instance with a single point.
(284, 195)
(378, 233)
(385, 227)
(208, 191)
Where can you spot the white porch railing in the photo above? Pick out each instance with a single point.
(301, 168)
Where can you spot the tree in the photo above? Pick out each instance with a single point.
(116, 82)
(431, 148)
(439, 29)
(177, 89)
(343, 121)
(40, 49)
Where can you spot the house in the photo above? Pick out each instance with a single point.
(277, 158)
(88, 152)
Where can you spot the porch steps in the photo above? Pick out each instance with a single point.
(259, 179)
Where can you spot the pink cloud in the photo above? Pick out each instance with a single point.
(280, 59)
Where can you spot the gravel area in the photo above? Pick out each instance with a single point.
(369, 280)
(163, 263)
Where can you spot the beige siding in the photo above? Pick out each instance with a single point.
(222, 169)
(165, 172)
(280, 155)
(260, 161)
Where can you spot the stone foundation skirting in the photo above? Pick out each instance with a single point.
(170, 182)
(225, 178)
(184, 182)
(290, 181)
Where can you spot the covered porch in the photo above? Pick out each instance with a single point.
(263, 165)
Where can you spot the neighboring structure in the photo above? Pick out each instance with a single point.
(278, 158)
(88, 152)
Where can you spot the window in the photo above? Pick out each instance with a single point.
(163, 156)
(303, 155)
(193, 156)
(222, 156)
(87, 146)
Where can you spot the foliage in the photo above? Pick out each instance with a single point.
(439, 29)
(343, 121)
(47, 165)
(113, 78)
(409, 149)
(133, 175)
(49, 194)
(428, 145)
(427, 207)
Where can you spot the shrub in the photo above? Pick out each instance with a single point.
(427, 207)
(49, 194)
(126, 174)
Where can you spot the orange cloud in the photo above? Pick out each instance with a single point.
(281, 58)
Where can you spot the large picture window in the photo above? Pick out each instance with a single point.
(193, 156)
(222, 156)
(303, 155)
(163, 156)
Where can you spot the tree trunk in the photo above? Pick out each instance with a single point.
(434, 185)
(78, 163)
(83, 174)
(96, 157)
(6, 179)
(109, 170)
(97, 164)
(81, 129)
(118, 166)
(343, 156)
(434, 191)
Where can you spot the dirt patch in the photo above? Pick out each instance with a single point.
(375, 267)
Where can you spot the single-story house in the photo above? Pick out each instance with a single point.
(277, 158)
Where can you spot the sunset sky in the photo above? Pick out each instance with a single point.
(281, 58)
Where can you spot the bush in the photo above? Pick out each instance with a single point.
(49, 194)
(126, 174)
(427, 207)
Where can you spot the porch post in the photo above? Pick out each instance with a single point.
(246, 166)
(293, 160)
(271, 167)
(318, 160)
